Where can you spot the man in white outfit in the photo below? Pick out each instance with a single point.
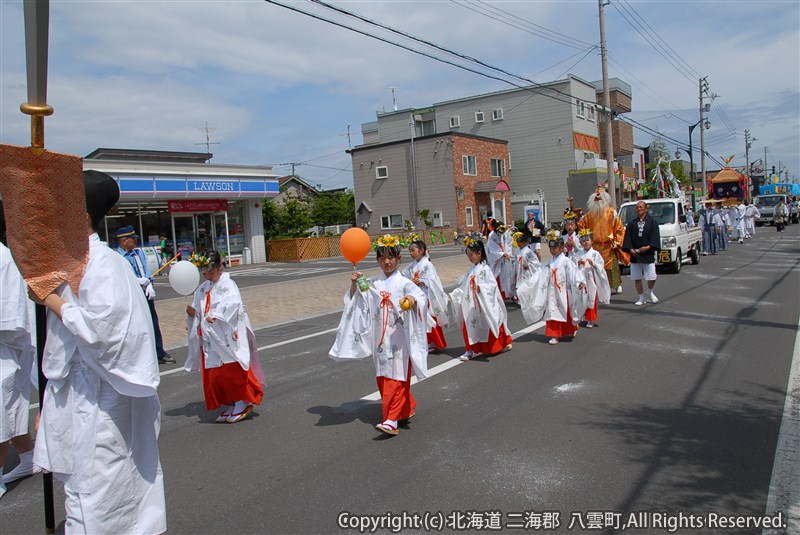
(101, 415)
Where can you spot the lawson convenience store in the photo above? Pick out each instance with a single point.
(198, 206)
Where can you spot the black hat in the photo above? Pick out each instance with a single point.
(102, 193)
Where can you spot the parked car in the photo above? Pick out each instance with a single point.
(678, 240)
(766, 206)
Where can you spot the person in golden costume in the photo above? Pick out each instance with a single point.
(608, 231)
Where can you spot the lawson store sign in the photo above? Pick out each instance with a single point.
(162, 187)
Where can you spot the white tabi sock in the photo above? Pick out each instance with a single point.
(25, 468)
(2, 485)
(392, 423)
(239, 407)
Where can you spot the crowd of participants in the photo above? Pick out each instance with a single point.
(108, 456)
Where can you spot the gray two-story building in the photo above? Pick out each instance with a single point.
(551, 129)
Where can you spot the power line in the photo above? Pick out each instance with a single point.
(519, 23)
(567, 98)
(650, 42)
(653, 32)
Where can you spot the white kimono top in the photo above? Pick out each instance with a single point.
(528, 265)
(101, 416)
(571, 244)
(592, 265)
(556, 288)
(374, 325)
(228, 339)
(481, 311)
(17, 352)
(438, 300)
(500, 257)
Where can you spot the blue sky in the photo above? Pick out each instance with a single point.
(275, 86)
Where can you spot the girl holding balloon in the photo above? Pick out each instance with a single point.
(222, 344)
(383, 318)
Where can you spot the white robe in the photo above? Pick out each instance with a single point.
(17, 353)
(548, 295)
(101, 416)
(501, 259)
(438, 300)
(372, 326)
(750, 215)
(481, 311)
(592, 265)
(230, 337)
(528, 265)
(741, 228)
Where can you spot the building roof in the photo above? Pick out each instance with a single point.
(137, 155)
(429, 136)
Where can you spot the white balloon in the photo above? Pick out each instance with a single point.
(184, 277)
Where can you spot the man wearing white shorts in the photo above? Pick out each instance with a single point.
(642, 240)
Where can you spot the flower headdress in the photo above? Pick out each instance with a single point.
(199, 260)
(469, 241)
(584, 233)
(515, 237)
(554, 236)
(501, 228)
(387, 240)
(569, 214)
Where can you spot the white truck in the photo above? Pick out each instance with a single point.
(679, 241)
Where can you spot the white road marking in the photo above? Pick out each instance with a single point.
(784, 485)
(375, 396)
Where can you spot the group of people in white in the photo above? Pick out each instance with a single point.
(723, 223)
(396, 317)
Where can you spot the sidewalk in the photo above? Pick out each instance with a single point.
(281, 302)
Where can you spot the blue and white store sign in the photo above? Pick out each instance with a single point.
(197, 187)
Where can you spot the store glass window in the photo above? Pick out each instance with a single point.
(235, 226)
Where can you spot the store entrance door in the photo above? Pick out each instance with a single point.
(201, 232)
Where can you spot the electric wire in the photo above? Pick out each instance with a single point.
(567, 97)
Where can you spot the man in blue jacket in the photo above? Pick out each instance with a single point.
(135, 256)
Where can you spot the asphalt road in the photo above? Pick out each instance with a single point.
(674, 407)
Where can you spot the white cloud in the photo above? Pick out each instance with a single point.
(278, 86)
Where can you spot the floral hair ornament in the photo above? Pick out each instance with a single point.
(387, 240)
(515, 237)
(554, 237)
(469, 241)
(569, 214)
(199, 260)
(501, 228)
(585, 234)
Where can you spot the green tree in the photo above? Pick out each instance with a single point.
(293, 219)
(270, 211)
(334, 208)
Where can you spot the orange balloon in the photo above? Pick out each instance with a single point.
(355, 245)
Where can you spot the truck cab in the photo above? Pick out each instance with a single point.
(766, 208)
(679, 241)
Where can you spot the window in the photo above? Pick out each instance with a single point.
(468, 163)
(581, 108)
(497, 114)
(470, 222)
(478, 116)
(437, 219)
(455, 121)
(424, 128)
(498, 167)
(592, 113)
(381, 172)
(392, 221)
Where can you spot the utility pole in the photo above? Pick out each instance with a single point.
(703, 88)
(748, 141)
(765, 166)
(607, 113)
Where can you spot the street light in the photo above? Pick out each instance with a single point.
(706, 125)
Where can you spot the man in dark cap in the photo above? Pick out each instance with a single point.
(138, 261)
(100, 415)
